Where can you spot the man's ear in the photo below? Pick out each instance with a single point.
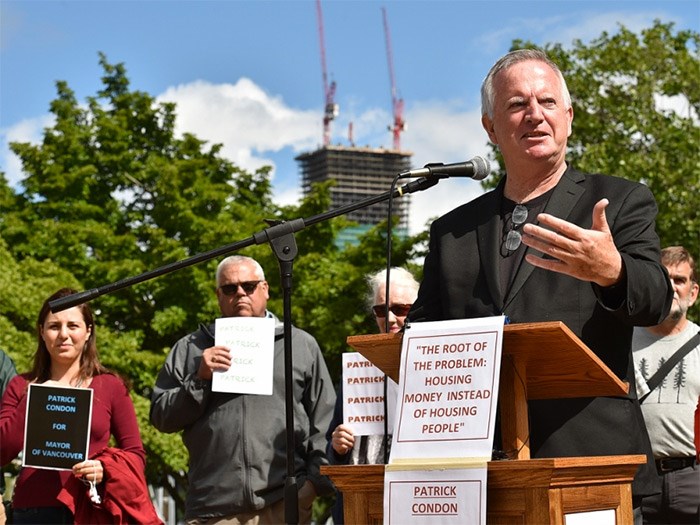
(694, 293)
(487, 123)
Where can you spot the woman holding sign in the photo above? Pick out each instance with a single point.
(66, 360)
(343, 448)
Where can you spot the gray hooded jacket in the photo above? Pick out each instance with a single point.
(236, 442)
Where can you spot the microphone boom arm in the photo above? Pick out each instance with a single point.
(267, 235)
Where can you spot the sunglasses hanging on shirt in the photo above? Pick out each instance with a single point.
(514, 238)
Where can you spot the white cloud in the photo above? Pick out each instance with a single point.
(369, 128)
(584, 24)
(587, 26)
(288, 196)
(438, 200)
(443, 132)
(252, 125)
(28, 130)
(678, 104)
(244, 118)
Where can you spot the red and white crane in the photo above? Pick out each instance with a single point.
(331, 108)
(399, 124)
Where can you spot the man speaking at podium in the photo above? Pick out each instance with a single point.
(551, 243)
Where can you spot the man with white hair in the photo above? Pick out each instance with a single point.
(236, 442)
(552, 243)
(343, 448)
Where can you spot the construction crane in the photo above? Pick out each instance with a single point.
(399, 124)
(351, 135)
(331, 108)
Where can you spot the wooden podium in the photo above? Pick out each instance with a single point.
(523, 490)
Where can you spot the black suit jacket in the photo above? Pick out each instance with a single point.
(461, 280)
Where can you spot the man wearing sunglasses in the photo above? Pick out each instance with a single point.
(551, 243)
(236, 442)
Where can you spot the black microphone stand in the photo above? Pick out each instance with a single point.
(280, 235)
(387, 283)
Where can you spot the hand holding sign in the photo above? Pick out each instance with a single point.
(251, 359)
(91, 470)
(213, 359)
(342, 439)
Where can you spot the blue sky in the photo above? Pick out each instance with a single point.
(247, 73)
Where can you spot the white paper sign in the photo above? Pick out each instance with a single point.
(435, 497)
(251, 341)
(363, 396)
(448, 389)
(596, 517)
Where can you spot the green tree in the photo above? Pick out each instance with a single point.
(110, 193)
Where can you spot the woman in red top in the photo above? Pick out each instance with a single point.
(66, 356)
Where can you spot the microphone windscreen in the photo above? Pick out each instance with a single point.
(482, 168)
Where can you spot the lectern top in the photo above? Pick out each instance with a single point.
(556, 362)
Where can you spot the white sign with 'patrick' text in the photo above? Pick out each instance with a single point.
(363, 396)
(435, 497)
(251, 341)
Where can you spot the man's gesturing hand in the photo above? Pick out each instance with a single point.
(589, 255)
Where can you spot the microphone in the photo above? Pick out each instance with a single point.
(478, 168)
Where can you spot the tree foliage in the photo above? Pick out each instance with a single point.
(111, 193)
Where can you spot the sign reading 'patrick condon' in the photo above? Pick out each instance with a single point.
(436, 497)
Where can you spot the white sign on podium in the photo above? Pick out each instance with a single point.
(445, 421)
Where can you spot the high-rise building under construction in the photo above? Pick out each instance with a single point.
(359, 173)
